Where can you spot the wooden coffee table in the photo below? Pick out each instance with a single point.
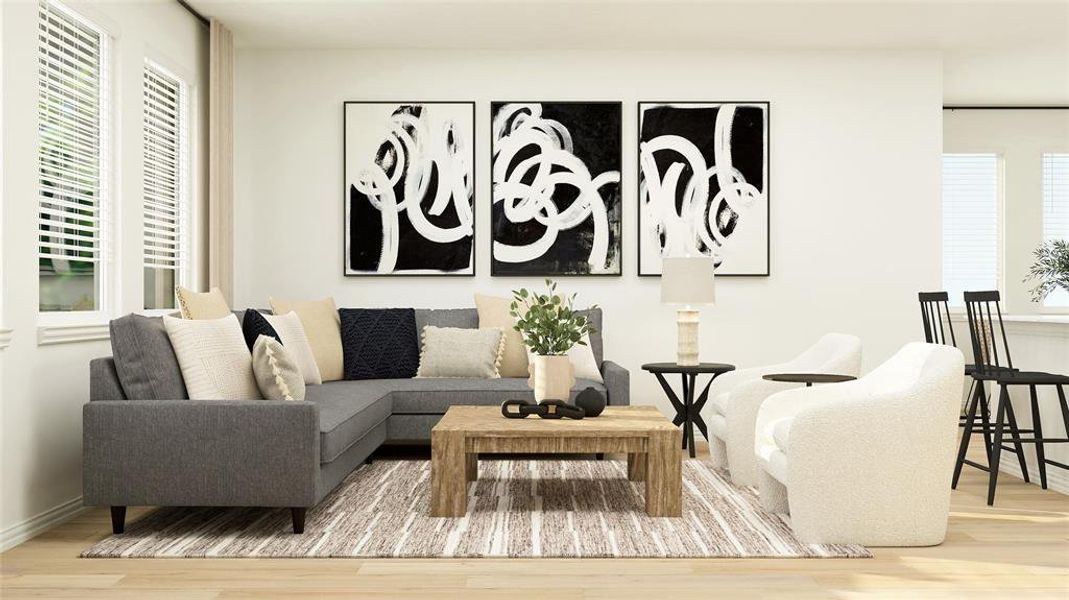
(650, 440)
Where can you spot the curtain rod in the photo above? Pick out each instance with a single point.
(194, 12)
(1003, 107)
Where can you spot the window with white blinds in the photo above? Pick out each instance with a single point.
(165, 186)
(1056, 211)
(971, 227)
(73, 199)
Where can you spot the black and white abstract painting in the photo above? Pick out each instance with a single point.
(556, 206)
(409, 188)
(703, 184)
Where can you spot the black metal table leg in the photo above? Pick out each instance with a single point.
(688, 424)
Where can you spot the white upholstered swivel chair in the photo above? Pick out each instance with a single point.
(867, 461)
(736, 396)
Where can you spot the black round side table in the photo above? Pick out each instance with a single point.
(689, 410)
(808, 378)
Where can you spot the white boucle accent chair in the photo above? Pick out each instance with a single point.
(735, 397)
(869, 461)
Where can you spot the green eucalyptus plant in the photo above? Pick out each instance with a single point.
(548, 323)
(1051, 268)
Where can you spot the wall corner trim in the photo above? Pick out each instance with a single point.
(5, 337)
(39, 523)
(66, 334)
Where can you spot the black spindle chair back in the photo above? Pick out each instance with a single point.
(934, 309)
(987, 355)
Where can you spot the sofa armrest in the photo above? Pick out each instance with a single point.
(200, 453)
(617, 383)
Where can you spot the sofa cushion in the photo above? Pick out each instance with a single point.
(348, 410)
(253, 325)
(462, 318)
(145, 361)
(435, 396)
(379, 343)
(594, 316)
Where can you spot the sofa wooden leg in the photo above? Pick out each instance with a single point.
(118, 519)
(298, 519)
(367, 461)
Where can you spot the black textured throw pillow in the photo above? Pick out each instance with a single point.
(379, 343)
(253, 325)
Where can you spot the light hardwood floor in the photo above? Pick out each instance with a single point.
(1018, 549)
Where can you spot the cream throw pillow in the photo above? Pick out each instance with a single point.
(277, 374)
(321, 326)
(291, 332)
(494, 314)
(214, 359)
(455, 352)
(206, 305)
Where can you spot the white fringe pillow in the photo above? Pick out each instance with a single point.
(456, 352)
(277, 374)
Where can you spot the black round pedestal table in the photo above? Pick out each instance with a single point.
(808, 378)
(689, 409)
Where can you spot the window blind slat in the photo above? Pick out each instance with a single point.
(970, 223)
(164, 207)
(72, 124)
(1056, 210)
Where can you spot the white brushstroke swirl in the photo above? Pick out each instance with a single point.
(517, 126)
(422, 153)
(694, 226)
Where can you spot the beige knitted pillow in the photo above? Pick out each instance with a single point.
(277, 373)
(202, 305)
(213, 357)
(455, 352)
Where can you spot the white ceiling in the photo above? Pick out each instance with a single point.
(994, 51)
(958, 25)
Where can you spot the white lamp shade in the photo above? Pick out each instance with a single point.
(687, 280)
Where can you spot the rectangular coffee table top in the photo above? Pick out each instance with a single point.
(615, 421)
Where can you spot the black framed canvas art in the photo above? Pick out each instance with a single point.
(555, 177)
(409, 170)
(703, 184)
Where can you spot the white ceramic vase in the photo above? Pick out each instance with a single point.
(552, 377)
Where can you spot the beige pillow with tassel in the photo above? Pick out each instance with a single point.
(277, 374)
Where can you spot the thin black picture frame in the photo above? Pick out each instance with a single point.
(490, 112)
(768, 180)
(474, 190)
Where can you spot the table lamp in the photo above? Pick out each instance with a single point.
(687, 282)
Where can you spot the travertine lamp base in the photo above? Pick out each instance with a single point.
(687, 352)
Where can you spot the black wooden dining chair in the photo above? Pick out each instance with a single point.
(991, 364)
(938, 329)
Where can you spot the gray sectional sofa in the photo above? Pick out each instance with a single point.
(180, 452)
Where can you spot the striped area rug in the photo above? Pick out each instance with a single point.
(517, 508)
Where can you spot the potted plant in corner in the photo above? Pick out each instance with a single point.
(550, 327)
(1051, 268)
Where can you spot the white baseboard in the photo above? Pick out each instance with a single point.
(1057, 478)
(38, 524)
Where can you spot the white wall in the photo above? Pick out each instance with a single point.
(855, 145)
(43, 387)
